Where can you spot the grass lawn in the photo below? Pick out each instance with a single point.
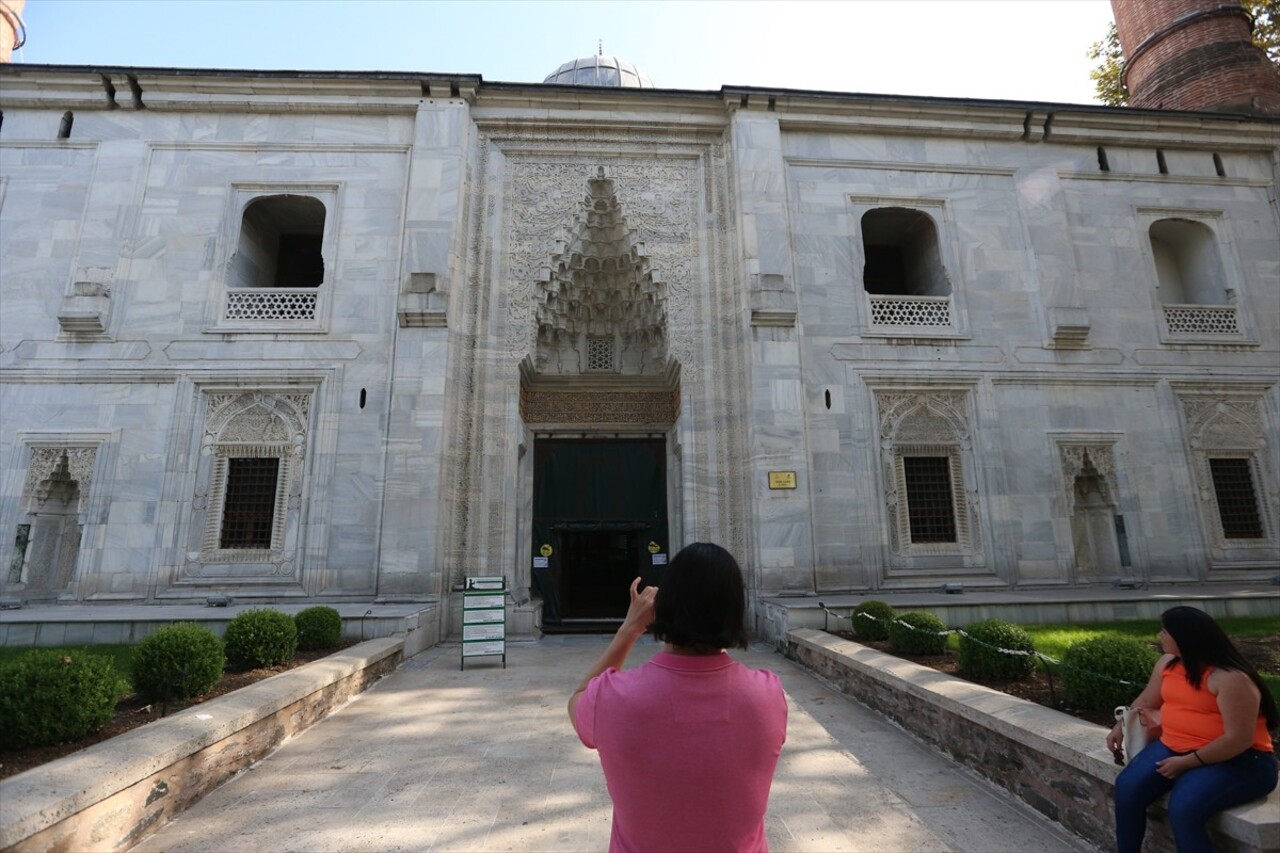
(121, 656)
(1053, 640)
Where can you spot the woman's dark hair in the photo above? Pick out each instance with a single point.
(1202, 643)
(701, 602)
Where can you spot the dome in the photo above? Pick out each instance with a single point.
(600, 70)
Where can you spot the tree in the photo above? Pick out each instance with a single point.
(1108, 72)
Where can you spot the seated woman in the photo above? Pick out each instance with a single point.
(1214, 750)
(688, 741)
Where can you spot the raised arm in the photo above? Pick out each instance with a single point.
(639, 617)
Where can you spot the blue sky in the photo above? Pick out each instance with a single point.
(1003, 49)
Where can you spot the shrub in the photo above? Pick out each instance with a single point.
(50, 696)
(1090, 669)
(876, 628)
(257, 638)
(925, 641)
(178, 661)
(979, 658)
(318, 628)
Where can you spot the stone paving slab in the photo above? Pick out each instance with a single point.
(436, 759)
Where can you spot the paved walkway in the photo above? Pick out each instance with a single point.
(432, 758)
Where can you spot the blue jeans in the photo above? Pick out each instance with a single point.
(1198, 795)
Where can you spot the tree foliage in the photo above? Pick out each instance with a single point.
(1108, 70)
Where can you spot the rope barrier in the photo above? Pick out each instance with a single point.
(961, 632)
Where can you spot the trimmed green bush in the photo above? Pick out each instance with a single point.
(258, 638)
(980, 661)
(925, 641)
(876, 628)
(319, 627)
(177, 662)
(1090, 669)
(50, 696)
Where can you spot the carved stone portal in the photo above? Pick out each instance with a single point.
(600, 307)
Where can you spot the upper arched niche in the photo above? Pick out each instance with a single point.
(601, 308)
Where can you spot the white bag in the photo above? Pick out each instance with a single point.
(1132, 729)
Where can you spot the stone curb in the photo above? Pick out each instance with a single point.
(1056, 763)
(112, 794)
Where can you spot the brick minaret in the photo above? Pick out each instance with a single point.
(10, 27)
(1194, 55)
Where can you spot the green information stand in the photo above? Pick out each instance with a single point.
(484, 619)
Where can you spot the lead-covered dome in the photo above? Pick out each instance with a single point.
(600, 70)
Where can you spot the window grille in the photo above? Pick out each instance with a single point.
(270, 304)
(930, 507)
(600, 354)
(249, 506)
(1201, 319)
(928, 311)
(1237, 500)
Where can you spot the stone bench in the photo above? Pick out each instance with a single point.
(1056, 763)
(113, 794)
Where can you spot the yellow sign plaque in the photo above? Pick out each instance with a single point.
(782, 479)
(654, 547)
(545, 550)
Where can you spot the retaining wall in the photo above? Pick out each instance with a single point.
(1056, 763)
(115, 793)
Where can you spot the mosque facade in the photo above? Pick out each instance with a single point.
(358, 336)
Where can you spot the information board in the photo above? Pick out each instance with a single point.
(484, 618)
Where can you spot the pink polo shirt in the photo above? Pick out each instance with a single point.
(688, 745)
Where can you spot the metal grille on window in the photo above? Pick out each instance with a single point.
(250, 502)
(1237, 500)
(600, 352)
(930, 508)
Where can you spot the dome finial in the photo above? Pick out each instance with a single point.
(600, 50)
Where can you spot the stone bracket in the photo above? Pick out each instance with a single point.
(86, 309)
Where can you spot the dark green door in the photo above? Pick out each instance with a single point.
(599, 514)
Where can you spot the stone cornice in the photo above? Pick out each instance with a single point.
(170, 89)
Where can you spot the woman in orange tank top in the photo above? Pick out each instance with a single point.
(1214, 750)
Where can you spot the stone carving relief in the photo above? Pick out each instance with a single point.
(1089, 475)
(657, 408)
(550, 213)
(46, 461)
(599, 292)
(1089, 460)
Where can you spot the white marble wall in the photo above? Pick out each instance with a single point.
(754, 204)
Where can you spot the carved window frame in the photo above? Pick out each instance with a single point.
(1219, 227)
(939, 212)
(239, 197)
(289, 409)
(928, 420)
(1226, 424)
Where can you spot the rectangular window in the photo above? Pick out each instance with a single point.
(930, 505)
(249, 507)
(1237, 500)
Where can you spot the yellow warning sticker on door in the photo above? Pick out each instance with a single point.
(545, 550)
(654, 547)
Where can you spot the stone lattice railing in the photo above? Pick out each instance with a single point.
(931, 312)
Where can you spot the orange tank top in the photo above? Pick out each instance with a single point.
(1189, 716)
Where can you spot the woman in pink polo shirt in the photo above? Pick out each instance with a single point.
(688, 741)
